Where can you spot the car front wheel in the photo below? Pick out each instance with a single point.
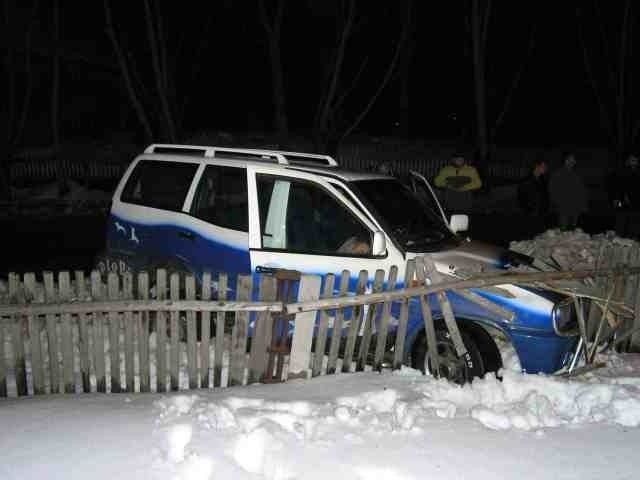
(456, 369)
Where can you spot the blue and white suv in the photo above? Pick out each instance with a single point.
(197, 208)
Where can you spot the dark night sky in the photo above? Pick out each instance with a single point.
(228, 85)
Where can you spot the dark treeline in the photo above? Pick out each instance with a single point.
(475, 71)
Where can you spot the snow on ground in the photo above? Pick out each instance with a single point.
(398, 425)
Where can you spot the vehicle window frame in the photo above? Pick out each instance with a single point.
(345, 206)
(130, 201)
(200, 179)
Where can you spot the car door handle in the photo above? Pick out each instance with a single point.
(268, 270)
(187, 235)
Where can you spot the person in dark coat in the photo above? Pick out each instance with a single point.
(625, 191)
(568, 194)
(533, 193)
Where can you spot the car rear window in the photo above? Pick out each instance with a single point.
(159, 184)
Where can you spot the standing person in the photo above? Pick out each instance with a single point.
(568, 194)
(458, 180)
(626, 194)
(533, 193)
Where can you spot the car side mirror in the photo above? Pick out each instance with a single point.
(379, 244)
(459, 223)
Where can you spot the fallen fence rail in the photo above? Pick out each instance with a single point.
(455, 285)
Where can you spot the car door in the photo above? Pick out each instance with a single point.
(147, 217)
(425, 192)
(303, 223)
(218, 230)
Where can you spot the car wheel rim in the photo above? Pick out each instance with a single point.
(451, 367)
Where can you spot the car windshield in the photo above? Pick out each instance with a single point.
(415, 226)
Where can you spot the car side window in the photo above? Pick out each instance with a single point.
(159, 184)
(302, 217)
(221, 198)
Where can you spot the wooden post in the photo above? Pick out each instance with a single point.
(192, 367)
(98, 334)
(174, 365)
(83, 334)
(143, 334)
(356, 318)
(18, 342)
(381, 340)
(52, 337)
(244, 287)
(34, 325)
(64, 282)
(219, 341)
(161, 333)
(127, 290)
(401, 332)
(429, 327)
(299, 361)
(113, 290)
(205, 332)
(321, 337)
(336, 331)
(369, 324)
(262, 332)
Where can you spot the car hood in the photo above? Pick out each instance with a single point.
(477, 257)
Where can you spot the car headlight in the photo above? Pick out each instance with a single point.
(565, 318)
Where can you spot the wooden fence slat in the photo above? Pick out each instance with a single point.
(299, 360)
(244, 287)
(192, 366)
(429, 327)
(354, 327)
(321, 337)
(20, 366)
(369, 324)
(434, 276)
(161, 333)
(262, 331)
(143, 334)
(381, 340)
(98, 335)
(336, 331)
(3, 366)
(220, 321)
(66, 332)
(83, 334)
(205, 333)
(113, 290)
(34, 327)
(127, 293)
(52, 336)
(174, 328)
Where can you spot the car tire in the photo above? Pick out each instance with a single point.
(456, 369)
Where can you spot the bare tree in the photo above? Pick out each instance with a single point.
(330, 125)
(55, 97)
(611, 74)
(16, 39)
(158, 95)
(490, 113)
(272, 25)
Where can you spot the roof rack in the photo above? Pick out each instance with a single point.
(275, 156)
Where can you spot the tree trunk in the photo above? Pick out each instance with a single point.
(478, 37)
(273, 30)
(55, 99)
(279, 97)
(126, 75)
